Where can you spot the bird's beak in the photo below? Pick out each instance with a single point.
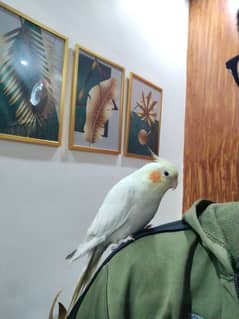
(175, 183)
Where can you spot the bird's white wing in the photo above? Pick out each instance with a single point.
(114, 210)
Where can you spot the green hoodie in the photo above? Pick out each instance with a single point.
(185, 269)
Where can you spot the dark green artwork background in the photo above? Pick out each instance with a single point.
(22, 48)
(136, 124)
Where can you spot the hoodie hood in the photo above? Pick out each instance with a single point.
(215, 225)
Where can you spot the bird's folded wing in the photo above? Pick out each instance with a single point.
(114, 210)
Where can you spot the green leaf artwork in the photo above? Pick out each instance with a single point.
(31, 68)
(143, 118)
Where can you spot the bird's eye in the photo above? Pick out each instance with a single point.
(166, 173)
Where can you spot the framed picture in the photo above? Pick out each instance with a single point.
(97, 103)
(143, 118)
(33, 60)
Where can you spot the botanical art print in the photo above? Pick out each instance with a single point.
(96, 104)
(143, 118)
(32, 69)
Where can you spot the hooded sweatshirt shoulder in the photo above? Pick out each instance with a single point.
(218, 229)
(185, 269)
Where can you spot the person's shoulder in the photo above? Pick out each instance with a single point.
(135, 253)
(176, 226)
(146, 238)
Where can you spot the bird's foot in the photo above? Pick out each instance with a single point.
(130, 238)
(148, 226)
(114, 247)
(126, 239)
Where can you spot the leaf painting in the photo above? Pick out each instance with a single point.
(146, 106)
(143, 118)
(97, 103)
(99, 109)
(29, 93)
(90, 73)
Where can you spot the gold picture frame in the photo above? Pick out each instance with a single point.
(143, 120)
(33, 63)
(97, 103)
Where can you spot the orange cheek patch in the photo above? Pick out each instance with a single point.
(155, 176)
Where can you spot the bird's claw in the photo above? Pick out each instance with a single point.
(148, 226)
(114, 247)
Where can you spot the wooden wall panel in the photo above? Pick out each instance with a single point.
(211, 151)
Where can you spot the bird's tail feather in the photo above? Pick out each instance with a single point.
(85, 248)
(91, 266)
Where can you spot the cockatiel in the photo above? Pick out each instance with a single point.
(127, 208)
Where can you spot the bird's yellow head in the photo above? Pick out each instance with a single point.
(159, 175)
(163, 173)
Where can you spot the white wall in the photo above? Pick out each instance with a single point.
(49, 195)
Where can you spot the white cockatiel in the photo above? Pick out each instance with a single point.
(127, 208)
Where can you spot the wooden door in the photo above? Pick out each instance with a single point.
(211, 152)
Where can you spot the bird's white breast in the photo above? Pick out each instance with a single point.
(143, 209)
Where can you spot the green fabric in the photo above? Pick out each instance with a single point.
(172, 275)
